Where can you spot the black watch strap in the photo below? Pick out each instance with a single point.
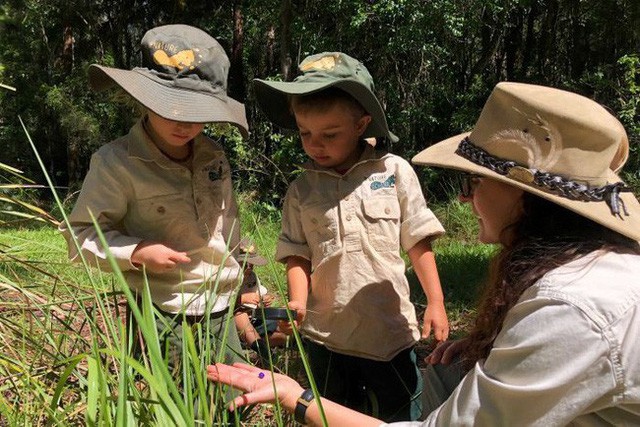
(303, 403)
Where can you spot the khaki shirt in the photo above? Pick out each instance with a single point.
(136, 193)
(567, 354)
(351, 228)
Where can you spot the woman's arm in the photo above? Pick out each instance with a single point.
(261, 386)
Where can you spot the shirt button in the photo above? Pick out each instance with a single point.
(387, 210)
(161, 209)
(198, 201)
(346, 199)
(348, 218)
(314, 221)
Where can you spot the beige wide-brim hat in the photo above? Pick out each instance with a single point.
(319, 72)
(555, 144)
(183, 78)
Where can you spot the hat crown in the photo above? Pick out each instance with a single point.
(551, 130)
(331, 66)
(182, 51)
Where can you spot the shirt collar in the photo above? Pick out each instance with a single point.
(368, 154)
(144, 149)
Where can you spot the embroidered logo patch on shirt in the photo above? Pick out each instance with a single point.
(388, 183)
(215, 175)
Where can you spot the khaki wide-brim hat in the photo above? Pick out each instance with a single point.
(322, 71)
(183, 78)
(564, 140)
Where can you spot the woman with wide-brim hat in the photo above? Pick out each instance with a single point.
(557, 332)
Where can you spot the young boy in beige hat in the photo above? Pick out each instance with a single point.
(162, 194)
(345, 220)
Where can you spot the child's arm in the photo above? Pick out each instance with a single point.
(105, 197)
(298, 279)
(424, 264)
(157, 257)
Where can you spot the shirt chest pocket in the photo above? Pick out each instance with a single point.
(156, 216)
(320, 227)
(382, 220)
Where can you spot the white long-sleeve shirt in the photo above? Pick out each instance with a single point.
(568, 354)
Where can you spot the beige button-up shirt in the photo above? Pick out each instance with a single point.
(351, 227)
(136, 193)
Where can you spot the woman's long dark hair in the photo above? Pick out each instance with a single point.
(545, 237)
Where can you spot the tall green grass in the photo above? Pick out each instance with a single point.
(68, 356)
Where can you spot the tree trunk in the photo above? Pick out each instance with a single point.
(490, 43)
(237, 88)
(527, 52)
(286, 14)
(513, 44)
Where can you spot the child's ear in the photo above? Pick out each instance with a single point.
(362, 124)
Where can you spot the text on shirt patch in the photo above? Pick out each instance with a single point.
(388, 183)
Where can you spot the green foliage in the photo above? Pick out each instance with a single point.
(434, 63)
(67, 354)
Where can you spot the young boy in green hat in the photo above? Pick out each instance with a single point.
(162, 194)
(344, 222)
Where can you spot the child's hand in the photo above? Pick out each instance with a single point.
(250, 298)
(435, 317)
(267, 299)
(255, 299)
(157, 257)
(301, 308)
(446, 352)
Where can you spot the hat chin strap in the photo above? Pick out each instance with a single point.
(545, 181)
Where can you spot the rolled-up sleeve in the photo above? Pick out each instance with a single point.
(417, 220)
(292, 241)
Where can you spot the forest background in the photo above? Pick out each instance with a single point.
(64, 359)
(434, 64)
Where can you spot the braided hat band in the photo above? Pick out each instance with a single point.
(551, 183)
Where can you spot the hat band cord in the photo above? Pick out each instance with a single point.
(183, 81)
(554, 184)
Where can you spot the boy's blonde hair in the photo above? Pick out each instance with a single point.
(325, 99)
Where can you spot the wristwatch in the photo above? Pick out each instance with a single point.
(302, 404)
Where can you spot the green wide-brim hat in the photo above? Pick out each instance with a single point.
(319, 72)
(183, 77)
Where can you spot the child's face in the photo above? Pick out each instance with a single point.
(331, 137)
(173, 133)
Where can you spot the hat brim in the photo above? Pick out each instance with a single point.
(171, 103)
(252, 259)
(443, 154)
(273, 97)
